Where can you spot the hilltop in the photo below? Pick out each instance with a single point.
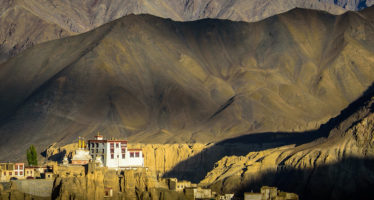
(24, 23)
(153, 80)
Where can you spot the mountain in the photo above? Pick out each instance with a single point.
(154, 80)
(337, 167)
(24, 23)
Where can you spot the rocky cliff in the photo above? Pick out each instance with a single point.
(337, 167)
(158, 81)
(130, 184)
(172, 160)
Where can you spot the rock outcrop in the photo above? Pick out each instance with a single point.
(129, 184)
(337, 167)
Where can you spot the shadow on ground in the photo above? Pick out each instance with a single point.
(195, 168)
(351, 178)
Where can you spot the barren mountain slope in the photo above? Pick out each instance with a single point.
(21, 28)
(337, 167)
(154, 80)
(27, 22)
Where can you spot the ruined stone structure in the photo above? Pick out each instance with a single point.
(270, 193)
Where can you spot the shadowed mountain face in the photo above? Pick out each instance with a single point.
(154, 80)
(339, 166)
(24, 23)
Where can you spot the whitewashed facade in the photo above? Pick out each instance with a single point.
(114, 153)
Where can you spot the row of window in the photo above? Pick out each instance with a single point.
(97, 150)
(132, 155)
(19, 167)
(93, 145)
(112, 156)
(123, 151)
(112, 145)
(15, 173)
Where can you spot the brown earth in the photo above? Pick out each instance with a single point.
(153, 80)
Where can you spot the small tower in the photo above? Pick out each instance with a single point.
(65, 161)
(81, 144)
(98, 136)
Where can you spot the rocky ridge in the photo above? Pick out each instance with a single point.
(24, 23)
(158, 81)
(337, 167)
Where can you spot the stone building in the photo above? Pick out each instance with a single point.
(225, 197)
(270, 193)
(48, 175)
(37, 171)
(113, 153)
(11, 170)
(198, 193)
(30, 172)
(176, 185)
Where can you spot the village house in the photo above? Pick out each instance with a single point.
(270, 193)
(30, 172)
(225, 197)
(193, 193)
(11, 170)
(176, 185)
(37, 171)
(113, 153)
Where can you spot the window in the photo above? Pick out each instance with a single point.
(112, 156)
(137, 155)
(21, 167)
(27, 172)
(103, 150)
(123, 150)
(111, 150)
(16, 173)
(97, 145)
(117, 156)
(112, 145)
(108, 192)
(123, 155)
(97, 150)
(92, 145)
(21, 173)
(4, 173)
(93, 150)
(131, 154)
(10, 173)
